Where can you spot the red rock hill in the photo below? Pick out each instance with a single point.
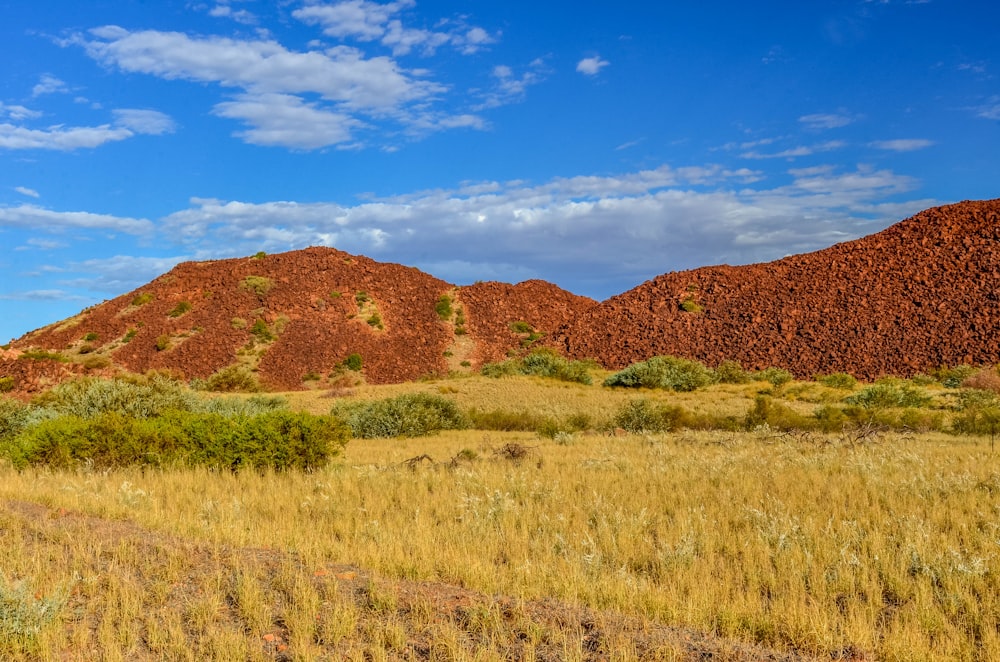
(922, 293)
(319, 304)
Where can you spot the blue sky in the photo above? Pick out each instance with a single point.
(592, 144)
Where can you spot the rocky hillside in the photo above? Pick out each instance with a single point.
(291, 318)
(922, 293)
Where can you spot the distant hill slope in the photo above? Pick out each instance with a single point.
(293, 315)
(922, 293)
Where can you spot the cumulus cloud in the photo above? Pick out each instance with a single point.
(573, 231)
(48, 85)
(903, 144)
(127, 124)
(371, 21)
(223, 10)
(34, 218)
(24, 190)
(273, 84)
(591, 66)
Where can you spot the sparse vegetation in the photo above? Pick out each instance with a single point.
(262, 332)
(542, 363)
(690, 305)
(259, 285)
(162, 342)
(42, 355)
(353, 362)
(7, 384)
(181, 308)
(91, 337)
(143, 298)
(375, 321)
(443, 307)
(129, 335)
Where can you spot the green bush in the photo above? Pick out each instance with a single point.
(375, 321)
(259, 285)
(353, 362)
(91, 337)
(7, 384)
(233, 379)
(142, 299)
(888, 395)
(261, 331)
(408, 415)
(521, 327)
(181, 308)
(731, 372)
(278, 440)
(162, 342)
(666, 372)
(541, 363)
(642, 415)
(840, 380)
(43, 355)
(777, 377)
(443, 307)
(775, 415)
(138, 398)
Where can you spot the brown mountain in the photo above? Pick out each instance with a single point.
(293, 315)
(922, 293)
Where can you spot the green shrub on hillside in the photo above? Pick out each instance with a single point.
(181, 308)
(142, 299)
(408, 415)
(443, 307)
(259, 285)
(665, 372)
(233, 379)
(353, 362)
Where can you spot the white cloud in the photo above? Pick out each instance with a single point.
(591, 66)
(34, 218)
(902, 144)
(24, 190)
(147, 122)
(239, 15)
(48, 85)
(44, 244)
(510, 87)
(820, 121)
(128, 123)
(991, 110)
(287, 120)
(59, 137)
(371, 21)
(274, 84)
(662, 219)
(801, 150)
(120, 273)
(18, 113)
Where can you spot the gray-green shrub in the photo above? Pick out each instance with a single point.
(665, 372)
(408, 415)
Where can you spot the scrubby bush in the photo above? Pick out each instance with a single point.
(888, 394)
(777, 377)
(766, 411)
(642, 415)
(503, 420)
(542, 363)
(233, 379)
(443, 307)
(278, 440)
(731, 372)
(138, 397)
(666, 372)
(142, 299)
(953, 377)
(7, 384)
(987, 379)
(181, 308)
(261, 331)
(840, 380)
(259, 285)
(353, 362)
(408, 415)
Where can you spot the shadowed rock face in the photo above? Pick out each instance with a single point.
(922, 293)
(318, 302)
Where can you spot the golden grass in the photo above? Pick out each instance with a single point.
(887, 549)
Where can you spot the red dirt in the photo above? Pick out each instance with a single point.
(923, 293)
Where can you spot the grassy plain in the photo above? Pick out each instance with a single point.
(590, 546)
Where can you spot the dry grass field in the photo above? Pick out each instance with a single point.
(485, 545)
